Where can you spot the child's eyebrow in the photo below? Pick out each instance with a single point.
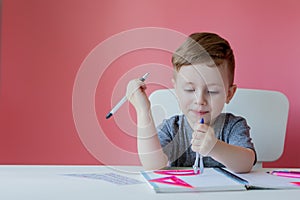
(192, 83)
(214, 84)
(208, 85)
(189, 83)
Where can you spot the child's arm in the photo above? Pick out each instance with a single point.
(149, 149)
(235, 158)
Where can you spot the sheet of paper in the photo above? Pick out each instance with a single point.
(109, 177)
(183, 181)
(265, 180)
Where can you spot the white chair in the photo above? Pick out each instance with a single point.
(265, 111)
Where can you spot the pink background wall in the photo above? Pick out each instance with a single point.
(44, 43)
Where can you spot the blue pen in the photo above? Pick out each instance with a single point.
(199, 157)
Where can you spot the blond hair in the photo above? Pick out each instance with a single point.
(208, 48)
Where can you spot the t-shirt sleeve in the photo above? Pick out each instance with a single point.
(165, 133)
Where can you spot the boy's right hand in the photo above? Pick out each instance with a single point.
(136, 95)
(203, 139)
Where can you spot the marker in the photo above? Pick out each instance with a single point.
(290, 174)
(199, 157)
(123, 100)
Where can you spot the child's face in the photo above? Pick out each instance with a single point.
(202, 91)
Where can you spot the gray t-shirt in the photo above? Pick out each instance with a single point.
(175, 135)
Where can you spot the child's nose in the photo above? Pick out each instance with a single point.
(200, 98)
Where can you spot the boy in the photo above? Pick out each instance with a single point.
(203, 82)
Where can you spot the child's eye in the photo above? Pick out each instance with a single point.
(213, 91)
(189, 90)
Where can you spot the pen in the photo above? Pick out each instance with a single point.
(196, 164)
(231, 175)
(199, 157)
(123, 100)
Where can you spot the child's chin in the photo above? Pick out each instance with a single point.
(192, 119)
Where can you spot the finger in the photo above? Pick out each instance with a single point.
(196, 142)
(132, 87)
(197, 135)
(200, 127)
(140, 84)
(195, 148)
(143, 86)
(136, 85)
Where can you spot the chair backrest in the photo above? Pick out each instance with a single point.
(265, 111)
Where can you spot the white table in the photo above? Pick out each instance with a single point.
(49, 182)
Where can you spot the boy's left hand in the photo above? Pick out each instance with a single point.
(203, 139)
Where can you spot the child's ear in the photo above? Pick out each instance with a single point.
(173, 82)
(231, 92)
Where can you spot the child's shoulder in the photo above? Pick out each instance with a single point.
(230, 119)
(174, 121)
(233, 117)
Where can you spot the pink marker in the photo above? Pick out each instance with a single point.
(290, 174)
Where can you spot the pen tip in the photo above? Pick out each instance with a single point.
(202, 121)
(108, 115)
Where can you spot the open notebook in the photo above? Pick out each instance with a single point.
(215, 179)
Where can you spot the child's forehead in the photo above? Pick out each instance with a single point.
(201, 72)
